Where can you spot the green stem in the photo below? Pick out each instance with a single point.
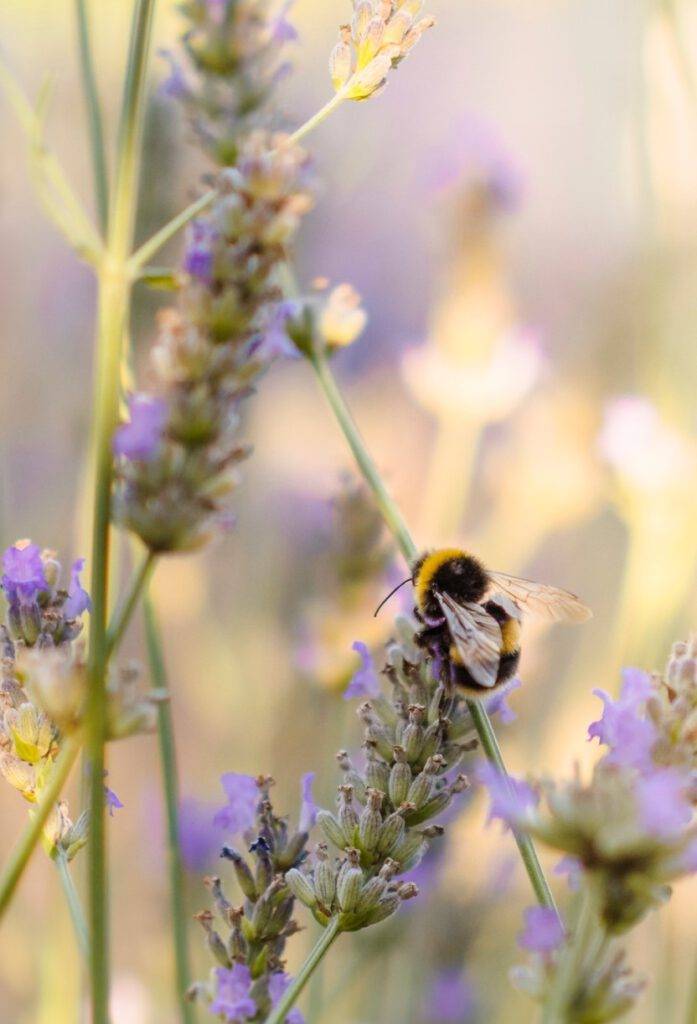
(170, 782)
(25, 847)
(148, 249)
(114, 304)
(94, 114)
(315, 957)
(317, 118)
(398, 528)
(73, 901)
(124, 612)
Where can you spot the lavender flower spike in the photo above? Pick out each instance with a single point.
(23, 572)
(243, 795)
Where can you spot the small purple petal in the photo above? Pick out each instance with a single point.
(511, 798)
(543, 931)
(623, 727)
(232, 999)
(365, 682)
(308, 809)
(240, 811)
(112, 801)
(78, 600)
(498, 704)
(571, 867)
(23, 573)
(662, 798)
(140, 438)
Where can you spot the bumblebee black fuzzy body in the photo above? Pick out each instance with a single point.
(471, 617)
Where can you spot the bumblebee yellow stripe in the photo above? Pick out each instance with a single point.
(510, 635)
(429, 567)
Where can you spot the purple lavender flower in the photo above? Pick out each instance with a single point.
(622, 727)
(139, 439)
(498, 704)
(282, 31)
(198, 256)
(112, 801)
(511, 798)
(364, 683)
(571, 867)
(662, 797)
(232, 999)
(175, 85)
(243, 796)
(308, 808)
(543, 931)
(23, 575)
(278, 983)
(688, 858)
(78, 599)
(450, 998)
(199, 839)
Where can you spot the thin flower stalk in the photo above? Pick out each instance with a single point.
(114, 304)
(94, 114)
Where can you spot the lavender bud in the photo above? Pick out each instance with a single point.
(349, 888)
(432, 740)
(214, 887)
(389, 869)
(213, 940)
(332, 829)
(325, 883)
(400, 779)
(391, 834)
(377, 774)
(429, 810)
(370, 895)
(377, 737)
(413, 736)
(420, 789)
(348, 818)
(300, 887)
(410, 851)
(242, 871)
(370, 822)
(387, 906)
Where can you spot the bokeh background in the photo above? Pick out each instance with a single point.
(518, 210)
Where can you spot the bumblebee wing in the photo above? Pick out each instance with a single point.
(477, 637)
(541, 599)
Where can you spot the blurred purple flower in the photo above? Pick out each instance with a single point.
(622, 727)
(199, 839)
(140, 438)
(543, 931)
(511, 798)
(498, 704)
(688, 858)
(23, 573)
(232, 999)
(243, 796)
(662, 797)
(364, 683)
(571, 867)
(278, 983)
(273, 341)
(450, 998)
(198, 255)
(78, 600)
(308, 808)
(282, 31)
(474, 156)
(175, 85)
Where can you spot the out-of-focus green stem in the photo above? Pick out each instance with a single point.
(94, 114)
(114, 306)
(25, 847)
(398, 528)
(170, 783)
(290, 996)
(124, 612)
(73, 900)
(317, 118)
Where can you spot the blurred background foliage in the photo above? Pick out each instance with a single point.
(518, 211)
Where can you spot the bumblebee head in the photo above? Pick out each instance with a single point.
(450, 571)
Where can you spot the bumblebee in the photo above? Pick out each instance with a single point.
(471, 616)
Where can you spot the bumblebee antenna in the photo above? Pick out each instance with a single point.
(409, 579)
